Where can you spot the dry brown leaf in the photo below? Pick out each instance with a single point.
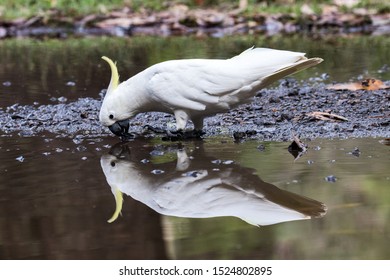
(367, 84)
(327, 116)
(385, 141)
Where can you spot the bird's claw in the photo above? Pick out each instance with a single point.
(180, 135)
(128, 136)
(177, 135)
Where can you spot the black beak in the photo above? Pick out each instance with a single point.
(120, 128)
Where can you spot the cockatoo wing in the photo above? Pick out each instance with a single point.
(195, 84)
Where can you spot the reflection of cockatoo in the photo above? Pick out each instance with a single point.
(193, 89)
(200, 188)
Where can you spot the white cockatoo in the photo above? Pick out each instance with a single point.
(193, 89)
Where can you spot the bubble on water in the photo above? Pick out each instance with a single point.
(70, 84)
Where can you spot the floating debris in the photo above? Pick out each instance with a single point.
(157, 171)
(261, 148)
(84, 158)
(145, 160)
(216, 161)
(81, 148)
(70, 84)
(297, 148)
(7, 83)
(356, 152)
(331, 178)
(20, 159)
(227, 162)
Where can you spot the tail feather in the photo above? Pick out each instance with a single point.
(294, 68)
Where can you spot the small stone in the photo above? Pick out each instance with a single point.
(356, 152)
(331, 178)
(77, 140)
(81, 148)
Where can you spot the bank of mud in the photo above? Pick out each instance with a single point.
(275, 114)
(216, 22)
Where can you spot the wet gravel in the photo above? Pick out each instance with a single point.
(275, 114)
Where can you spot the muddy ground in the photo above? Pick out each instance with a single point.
(275, 114)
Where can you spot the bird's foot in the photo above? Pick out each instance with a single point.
(128, 136)
(156, 130)
(180, 135)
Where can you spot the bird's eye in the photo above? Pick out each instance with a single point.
(111, 116)
(113, 163)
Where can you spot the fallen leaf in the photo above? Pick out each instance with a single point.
(385, 141)
(326, 116)
(367, 84)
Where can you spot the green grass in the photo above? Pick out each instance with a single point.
(11, 9)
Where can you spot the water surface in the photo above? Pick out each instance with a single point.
(43, 71)
(56, 199)
(56, 194)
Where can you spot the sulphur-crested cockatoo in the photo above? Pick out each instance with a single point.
(193, 89)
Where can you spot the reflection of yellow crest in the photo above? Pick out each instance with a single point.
(118, 207)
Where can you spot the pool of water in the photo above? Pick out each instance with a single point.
(214, 199)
